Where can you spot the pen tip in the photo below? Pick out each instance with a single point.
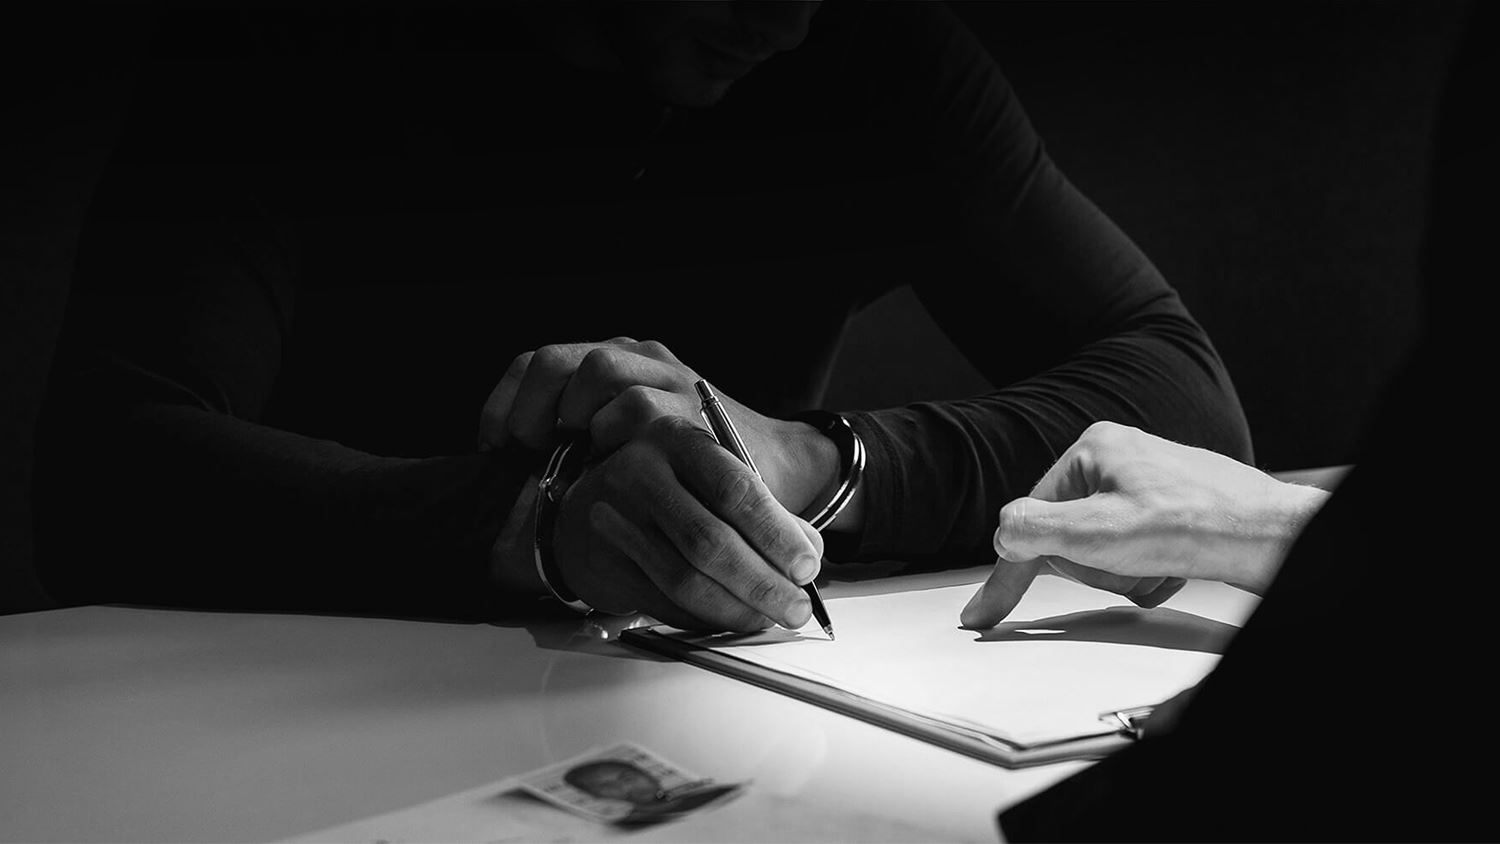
(829, 631)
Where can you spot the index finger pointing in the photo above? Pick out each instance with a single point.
(1004, 588)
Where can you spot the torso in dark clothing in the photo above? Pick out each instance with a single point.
(458, 197)
(326, 235)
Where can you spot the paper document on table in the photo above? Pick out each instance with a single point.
(1070, 655)
(503, 812)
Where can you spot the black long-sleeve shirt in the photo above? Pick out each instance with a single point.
(328, 232)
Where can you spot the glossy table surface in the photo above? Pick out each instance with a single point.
(139, 724)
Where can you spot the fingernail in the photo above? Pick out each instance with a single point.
(799, 612)
(804, 568)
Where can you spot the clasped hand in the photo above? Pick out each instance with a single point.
(664, 520)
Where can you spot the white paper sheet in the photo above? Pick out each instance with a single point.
(1068, 654)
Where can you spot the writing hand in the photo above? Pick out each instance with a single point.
(673, 525)
(666, 521)
(1134, 514)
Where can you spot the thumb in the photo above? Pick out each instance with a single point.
(812, 534)
(1000, 593)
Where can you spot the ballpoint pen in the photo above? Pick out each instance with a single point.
(725, 432)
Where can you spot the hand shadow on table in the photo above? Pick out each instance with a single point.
(1160, 627)
(601, 635)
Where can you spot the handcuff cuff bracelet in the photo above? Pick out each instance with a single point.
(561, 472)
(851, 460)
(556, 478)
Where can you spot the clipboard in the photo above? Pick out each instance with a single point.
(1117, 728)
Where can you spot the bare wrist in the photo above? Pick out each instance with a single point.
(811, 472)
(838, 506)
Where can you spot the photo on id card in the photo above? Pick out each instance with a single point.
(626, 784)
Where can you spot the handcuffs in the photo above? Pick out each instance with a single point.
(570, 457)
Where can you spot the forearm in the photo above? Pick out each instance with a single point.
(938, 473)
(186, 506)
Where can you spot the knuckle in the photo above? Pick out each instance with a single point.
(736, 491)
(668, 427)
(550, 358)
(519, 364)
(601, 427)
(1105, 433)
(639, 399)
(1012, 521)
(707, 544)
(638, 406)
(621, 340)
(763, 592)
(654, 349)
(1100, 431)
(600, 364)
(758, 518)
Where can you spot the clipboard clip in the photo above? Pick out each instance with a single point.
(1131, 721)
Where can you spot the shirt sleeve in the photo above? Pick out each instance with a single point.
(160, 479)
(1052, 302)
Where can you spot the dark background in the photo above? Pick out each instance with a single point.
(1271, 158)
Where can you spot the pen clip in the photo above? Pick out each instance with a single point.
(721, 426)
